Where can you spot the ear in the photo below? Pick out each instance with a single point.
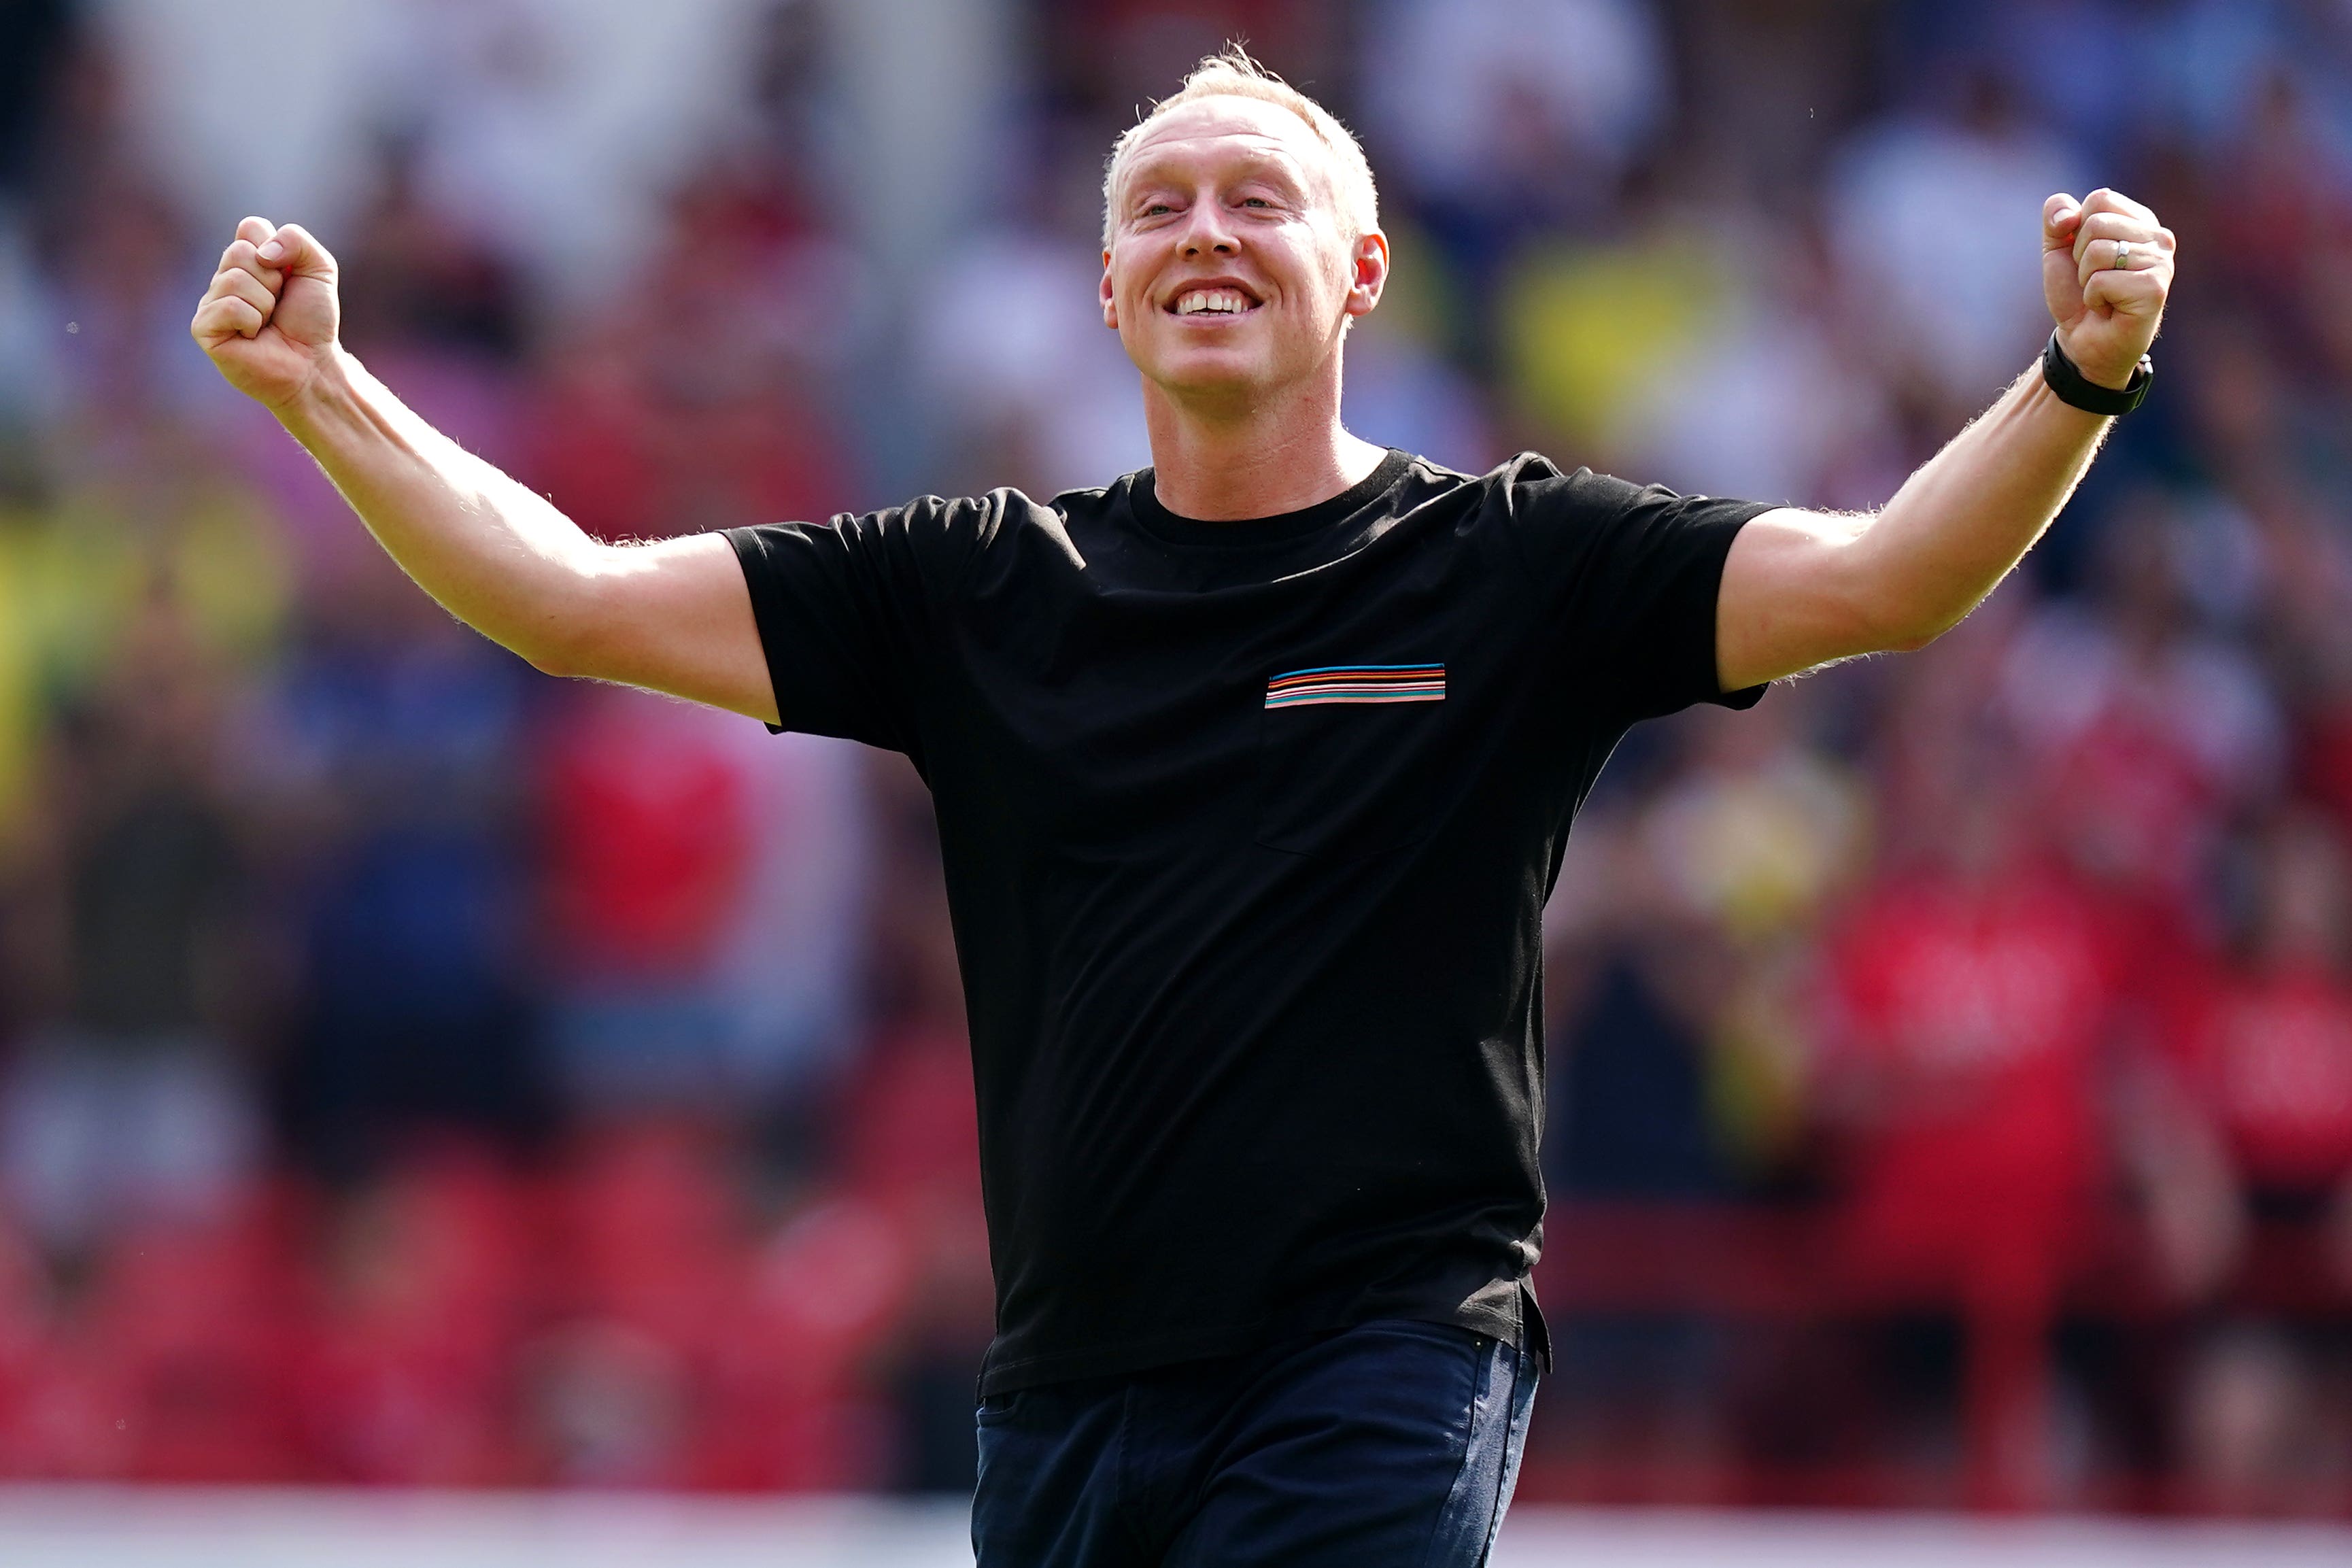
(1109, 300)
(1369, 273)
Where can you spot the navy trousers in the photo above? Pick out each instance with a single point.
(1392, 1445)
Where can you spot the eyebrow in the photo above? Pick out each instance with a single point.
(1269, 162)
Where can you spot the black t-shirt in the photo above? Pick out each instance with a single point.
(1248, 829)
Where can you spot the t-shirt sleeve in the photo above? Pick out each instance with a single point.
(849, 613)
(1633, 574)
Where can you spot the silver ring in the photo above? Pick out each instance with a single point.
(2123, 256)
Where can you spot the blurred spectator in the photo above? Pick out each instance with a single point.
(613, 1385)
(702, 889)
(427, 1278)
(2258, 1431)
(704, 402)
(32, 37)
(1974, 177)
(549, 131)
(1510, 118)
(1790, 415)
(1113, 55)
(2146, 735)
(1594, 336)
(1401, 392)
(389, 744)
(1972, 994)
(1780, 82)
(1037, 392)
(649, 826)
(1759, 838)
(2248, 1120)
(129, 1104)
(416, 277)
(2262, 1045)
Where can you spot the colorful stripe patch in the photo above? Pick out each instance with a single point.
(1357, 683)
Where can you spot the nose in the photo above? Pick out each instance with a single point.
(1207, 234)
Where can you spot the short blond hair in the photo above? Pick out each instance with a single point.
(1232, 73)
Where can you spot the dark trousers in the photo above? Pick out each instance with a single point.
(1392, 1445)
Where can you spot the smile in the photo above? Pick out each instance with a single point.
(1220, 301)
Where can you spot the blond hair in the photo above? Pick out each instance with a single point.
(1233, 74)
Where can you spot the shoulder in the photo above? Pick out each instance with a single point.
(1533, 480)
(929, 544)
(1577, 514)
(951, 531)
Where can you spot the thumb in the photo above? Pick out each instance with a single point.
(2062, 215)
(292, 248)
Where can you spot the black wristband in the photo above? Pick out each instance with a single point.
(2078, 391)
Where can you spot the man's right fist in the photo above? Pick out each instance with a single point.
(268, 320)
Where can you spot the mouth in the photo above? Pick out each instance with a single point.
(1213, 302)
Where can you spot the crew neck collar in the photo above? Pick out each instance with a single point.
(1242, 532)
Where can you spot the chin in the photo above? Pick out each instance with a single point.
(1201, 371)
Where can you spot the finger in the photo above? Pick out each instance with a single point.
(2104, 200)
(254, 230)
(237, 283)
(293, 249)
(2120, 256)
(224, 318)
(242, 257)
(2128, 293)
(2060, 214)
(2116, 225)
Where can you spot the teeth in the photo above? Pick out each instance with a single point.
(1212, 301)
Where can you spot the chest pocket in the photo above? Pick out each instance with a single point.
(1347, 758)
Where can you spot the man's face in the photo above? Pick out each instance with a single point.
(1229, 272)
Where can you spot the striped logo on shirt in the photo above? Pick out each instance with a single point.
(1357, 683)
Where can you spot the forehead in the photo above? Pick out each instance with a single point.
(1212, 131)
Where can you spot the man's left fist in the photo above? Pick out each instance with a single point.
(2107, 267)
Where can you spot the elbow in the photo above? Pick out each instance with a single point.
(1917, 631)
(559, 650)
(1908, 639)
(549, 660)
(1900, 623)
(1861, 627)
(567, 637)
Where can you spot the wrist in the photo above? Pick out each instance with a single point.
(2103, 395)
(2098, 372)
(326, 387)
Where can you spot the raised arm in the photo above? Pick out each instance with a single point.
(1801, 589)
(674, 615)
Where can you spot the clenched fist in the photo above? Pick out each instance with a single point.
(268, 320)
(2107, 267)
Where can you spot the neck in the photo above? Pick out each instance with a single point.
(1259, 458)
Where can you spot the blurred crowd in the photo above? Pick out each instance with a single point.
(416, 1071)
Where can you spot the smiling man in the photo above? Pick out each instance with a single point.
(1252, 770)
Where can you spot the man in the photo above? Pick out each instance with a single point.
(1253, 771)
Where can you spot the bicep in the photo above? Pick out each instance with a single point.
(1788, 601)
(676, 616)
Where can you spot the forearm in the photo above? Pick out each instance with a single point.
(1958, 524)
(1803, 589)
(497, 556)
